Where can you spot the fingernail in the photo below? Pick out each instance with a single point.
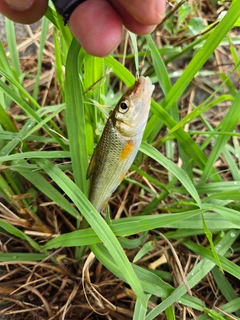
(19, 5)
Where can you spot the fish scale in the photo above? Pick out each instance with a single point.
(119, 142)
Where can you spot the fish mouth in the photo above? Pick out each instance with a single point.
(128, 123)
(144, 86)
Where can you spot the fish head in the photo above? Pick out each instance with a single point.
(131, 113)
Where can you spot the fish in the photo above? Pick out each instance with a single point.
(119, 142)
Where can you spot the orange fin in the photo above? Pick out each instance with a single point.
(127, 150)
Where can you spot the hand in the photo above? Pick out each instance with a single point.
(96, 24)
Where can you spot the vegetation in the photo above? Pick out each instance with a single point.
(168, 244)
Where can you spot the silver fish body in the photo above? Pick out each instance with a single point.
(119, 142)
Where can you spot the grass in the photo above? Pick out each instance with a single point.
(168, 244)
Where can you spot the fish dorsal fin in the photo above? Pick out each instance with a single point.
(92, 164)
(95, 157)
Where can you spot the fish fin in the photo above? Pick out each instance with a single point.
(127, 150)
(92, 165)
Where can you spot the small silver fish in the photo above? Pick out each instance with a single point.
(119, 142)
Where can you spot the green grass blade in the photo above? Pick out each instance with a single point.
(44, 32)
(52, 193)
(173, 168)
(97, 223)
(151, 283)
(75, 118)
(228, 124)
(12, 45)
(225, 287)
(66, 34)
(194, 66)
(165, 84)
(210, 240)
(18, 256)
(227, 265)
(94, 71)
(5, 121)
(118, 69)
(86, 237)
(228, 213)
(26, 107)
(159, 66)
(202, 55)
(59, 63)
(18, 233)
(35, 154)
(134, 225)
(186, 142)
(197, 273)
(139, 311)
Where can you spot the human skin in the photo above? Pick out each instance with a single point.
(96, 24)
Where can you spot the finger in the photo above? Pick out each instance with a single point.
(97, 26)
(23, 11)
(148, 12)
(132, 24)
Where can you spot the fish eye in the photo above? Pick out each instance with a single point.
(123, 107)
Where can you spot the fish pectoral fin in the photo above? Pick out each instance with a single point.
(127, 150)
(92, 165)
